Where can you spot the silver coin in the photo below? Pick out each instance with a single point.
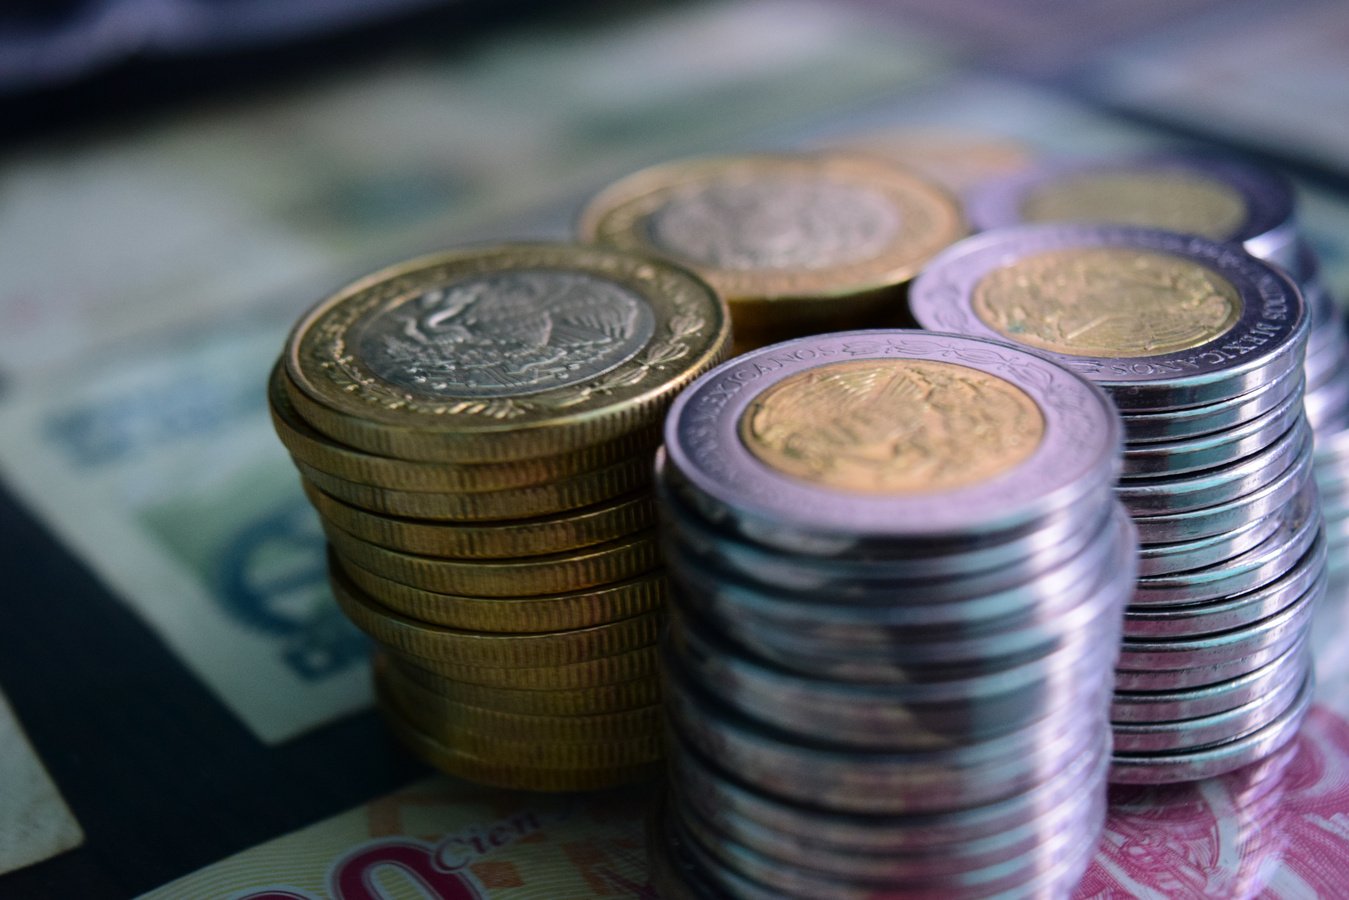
(1300, 526)
(1215, 520)
(1210, 487)
(1162, 768)
(1182, 556)
(1227, 613)
(1265, 341)
(1209, 699)
(1205, 731)
(675, 873)
(983, 826)
(1261, 216)
(706, 454)
(1177, 424)
(1204, 652)
(1212, 450)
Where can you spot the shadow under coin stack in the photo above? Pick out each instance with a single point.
(898, 575)
(798, 244)
(1201, 347)
(476, 430)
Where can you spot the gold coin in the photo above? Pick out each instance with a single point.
(957, 160)
(532, 576)
(431, 711)
(488, 769)
(503, 353)
(1183, 201)
(520, 615)
(350, 464)
(497, 540)
(639, 663)
(1107, 301)
(586, 489)
(892, 426)
(528, 752)
(803, 239)
(492, 649)
(595, 700)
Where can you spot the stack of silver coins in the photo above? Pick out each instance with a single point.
(1226, 200)
(899, 573)
(1201, 347)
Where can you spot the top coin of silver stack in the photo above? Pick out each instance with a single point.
(898, 573)
(1201, 346)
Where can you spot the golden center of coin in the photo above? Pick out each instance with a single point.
(775, 223)
(892, 426)
(1107, 301)
(1179, 201)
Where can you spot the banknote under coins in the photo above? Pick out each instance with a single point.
(797, 243)
(1227, 200)
(476, 430)
(1201, 347)
(898, 578)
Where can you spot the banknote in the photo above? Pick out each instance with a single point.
(35, 823)
(147, 280)
(1258, 74)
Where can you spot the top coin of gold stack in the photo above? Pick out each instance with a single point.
(798, 244)
(476, 430)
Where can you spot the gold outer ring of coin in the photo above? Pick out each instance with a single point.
(494, 649)
(554, 573)
(321, 453)
(768, 299)
(341, 397)
(519, 615)
(498, 540)
(529, 753)
(491, 771)
(596, 700)
(639, 663)
(631, 724)
(586, 489)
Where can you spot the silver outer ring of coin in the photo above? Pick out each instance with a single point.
(868, 716)
(1222, 484)
(1215, 520)
(913, 834)
(1212, 450)
(1077, 456)
(1182, 556)
(1196, 421)
(1049, 590)
(915, 782)
(1266, 341)
(1134, 681)
(1099, 590)
(1206, 731)
(1267, 196)
(1202, 655)
(1300, 527)
(1226, 613)
(1207, 700)
(1163, 768)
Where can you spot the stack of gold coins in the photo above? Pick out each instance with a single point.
(476, 430)
(798, 244)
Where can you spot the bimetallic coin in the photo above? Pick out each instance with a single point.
(1182, 556)
(1160, 320)
(873, 405)
(789, 238)
(502, 353)
(1212, 450)
(1220, 199)
(1142, 428)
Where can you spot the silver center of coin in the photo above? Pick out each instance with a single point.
(506, 334)
(776, 223)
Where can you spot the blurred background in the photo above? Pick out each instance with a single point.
(179, 179)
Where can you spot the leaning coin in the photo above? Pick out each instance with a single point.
(1160, 320)
(503, 353)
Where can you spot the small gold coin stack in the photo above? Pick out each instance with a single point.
(476, 430)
